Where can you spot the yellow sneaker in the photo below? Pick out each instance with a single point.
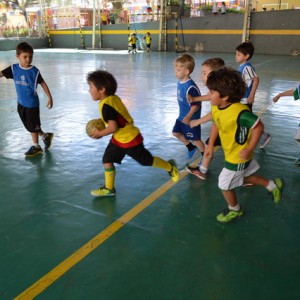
(174, 173)
(103, 192)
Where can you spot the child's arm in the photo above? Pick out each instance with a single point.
(47, 92)
(187, 119)
(255, 136)
(209, 150)
(250, 99)
(283, 94)
(200, 121)
(111, 128)
(197, 98)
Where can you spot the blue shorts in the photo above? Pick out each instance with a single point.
(191, 134)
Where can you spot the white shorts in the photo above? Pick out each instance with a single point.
(228, 179)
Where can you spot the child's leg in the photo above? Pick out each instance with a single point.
(35, 138)
(275, 186)
(182, 138)
(169, 166)
(145, 158)
(234, 210)
(230, 198)
(161, 164)
(200, 145)
(110, 175)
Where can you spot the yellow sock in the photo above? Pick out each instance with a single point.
(110, 175)
(161, 164)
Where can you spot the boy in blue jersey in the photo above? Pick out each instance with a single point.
(243, 54)
(239, 131)
(190, 137)
(26, 78)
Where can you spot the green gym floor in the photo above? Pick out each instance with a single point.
(155, 240)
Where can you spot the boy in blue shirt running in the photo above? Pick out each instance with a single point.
(190, 137)
(26, 78)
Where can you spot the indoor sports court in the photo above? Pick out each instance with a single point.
(155, 240)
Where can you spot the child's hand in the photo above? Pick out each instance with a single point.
(50, 103)
(96, 134)
(245, 154)
(191, 98)
(276, 98)
(186, 120)
(194, 123)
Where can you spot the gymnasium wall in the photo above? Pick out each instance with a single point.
(272, 32)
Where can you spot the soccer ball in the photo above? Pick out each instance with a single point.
(94, 124)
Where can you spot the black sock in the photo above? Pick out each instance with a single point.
(190, 146)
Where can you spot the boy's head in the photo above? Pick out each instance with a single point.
(228, 83)
(24, 53)
(211, 64)
(245, 49)
(101, 82)
(24, 47)
(184, 65)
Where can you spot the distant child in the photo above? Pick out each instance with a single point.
(243, 54)
(215, 9)
(296, 94)
(239, 130)
(209, 65)
(132, 43)
(190, 137)
(126, 138)
(223, 8)
(26, 78)
(148, 41)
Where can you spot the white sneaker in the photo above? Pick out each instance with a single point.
(264, 140)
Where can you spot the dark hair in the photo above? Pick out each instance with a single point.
(103, 79)
(246, 48)
(24, 47)
(228, 82)
(214, 63)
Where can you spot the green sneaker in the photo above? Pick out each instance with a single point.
(48, 140)
(33, 151)
(277, 192)
(228, 215)
(174, 173)
(103, 192)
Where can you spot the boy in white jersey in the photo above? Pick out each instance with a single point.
(26, 78)
(239, 130)
(243, 54)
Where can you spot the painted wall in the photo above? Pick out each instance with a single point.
(272, 32)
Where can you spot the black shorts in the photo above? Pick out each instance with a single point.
(30, 118)
(115, 154)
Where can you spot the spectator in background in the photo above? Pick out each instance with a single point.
(223, 8)
(215, 9)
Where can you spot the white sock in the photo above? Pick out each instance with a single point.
(36, 145)
(235, 208)
(271, 186)
(203, 169)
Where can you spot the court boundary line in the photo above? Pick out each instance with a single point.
(44, 282)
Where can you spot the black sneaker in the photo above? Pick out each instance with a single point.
(33, 151)
(48, 140)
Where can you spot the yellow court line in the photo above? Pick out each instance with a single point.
(44, 282)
